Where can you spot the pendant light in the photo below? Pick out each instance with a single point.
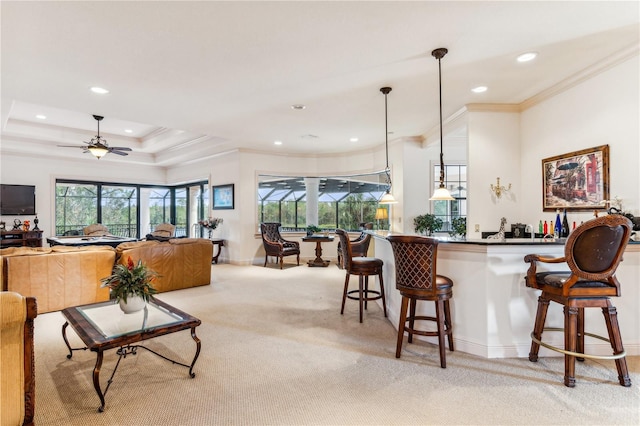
(440, 194)
(387, 198)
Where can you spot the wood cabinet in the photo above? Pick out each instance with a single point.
(21, 239)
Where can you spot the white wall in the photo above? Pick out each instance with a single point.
(601, 111)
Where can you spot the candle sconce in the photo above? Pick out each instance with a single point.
(498, 190)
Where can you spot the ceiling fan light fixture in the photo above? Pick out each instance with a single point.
(98, 151)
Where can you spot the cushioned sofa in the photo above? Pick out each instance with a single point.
(181, 262)
(58, 277)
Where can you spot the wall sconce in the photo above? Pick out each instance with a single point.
(498, 190)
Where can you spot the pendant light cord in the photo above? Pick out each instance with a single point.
(385, 91)
(439, 54)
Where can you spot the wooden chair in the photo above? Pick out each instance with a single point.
(17, 381)
(359, 245)
(362, 267)
(416, 279)
(275, 245)
(592, 252)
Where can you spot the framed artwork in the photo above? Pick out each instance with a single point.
(577, 180)
(222, 197)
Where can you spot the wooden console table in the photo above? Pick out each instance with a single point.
(21, 239)
(216, 244)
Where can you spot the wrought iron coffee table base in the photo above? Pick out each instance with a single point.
(122, 352)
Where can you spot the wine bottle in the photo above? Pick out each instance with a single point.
(540, 228)
(557, 229)
(565, 225)
(545, 228)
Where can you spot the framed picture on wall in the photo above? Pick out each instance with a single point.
(577, 180)
(222, 197)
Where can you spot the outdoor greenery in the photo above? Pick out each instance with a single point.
(130, 280)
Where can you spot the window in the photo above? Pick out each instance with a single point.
(343, 202)
(456, 183)
(128, 210)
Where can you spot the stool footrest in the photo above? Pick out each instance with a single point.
(365, 295)
(577, 354)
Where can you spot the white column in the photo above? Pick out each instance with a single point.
(312, 189)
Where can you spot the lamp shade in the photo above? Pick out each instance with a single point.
(387, 198)
(382, 213)
(98, 151)
(441, 194)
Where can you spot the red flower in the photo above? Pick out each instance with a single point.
(130, 264)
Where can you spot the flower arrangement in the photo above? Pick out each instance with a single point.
(210, 224)
(131, 280)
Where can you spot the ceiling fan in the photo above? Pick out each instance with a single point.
(98, 145)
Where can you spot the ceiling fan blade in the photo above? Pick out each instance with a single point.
(71, 146)
(118, 152)
(120, 148)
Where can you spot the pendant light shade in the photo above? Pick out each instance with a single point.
(441, 193)
(387, 198)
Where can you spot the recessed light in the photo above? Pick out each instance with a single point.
(277, 142)
(298, 106)
(479, 89)
(128, 131)
(99, 90)
(526, 57)
(41, 117)
(353, 140)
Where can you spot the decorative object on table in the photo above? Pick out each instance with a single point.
(458, 227)
(500, 236)
(387, 198)
(223, 197)
(3, 226)
(26, 225)
(131, 285)
(312, 229)
(17, 224)
(577, 180)
(634, 220)
(35, 223)
(210, 224)
(498, 190)
(427, 224)
(441, 193)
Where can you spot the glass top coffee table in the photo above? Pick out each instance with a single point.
(103, 326)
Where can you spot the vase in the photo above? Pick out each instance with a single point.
(133, 304)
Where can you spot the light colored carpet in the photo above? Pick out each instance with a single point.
(276, 351)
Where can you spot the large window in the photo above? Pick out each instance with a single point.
(342, 201)
(129, 210)
(456, 183)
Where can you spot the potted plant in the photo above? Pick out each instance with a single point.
(427, 224)
(131, 285)
(458, 227)
(210, 224)
(312, 229)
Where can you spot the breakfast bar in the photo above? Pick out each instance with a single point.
(493, 312)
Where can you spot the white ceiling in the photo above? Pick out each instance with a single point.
(193, 79)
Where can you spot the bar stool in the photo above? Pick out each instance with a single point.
(362, 267)
(416, 279)
(592, 252)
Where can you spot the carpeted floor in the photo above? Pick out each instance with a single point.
(276, 351)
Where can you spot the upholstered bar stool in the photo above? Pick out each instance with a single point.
(416, 279)
(592, 252)
(362, 267)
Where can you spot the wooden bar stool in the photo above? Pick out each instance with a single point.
(416, 279)
(362, 267)
(592, 252)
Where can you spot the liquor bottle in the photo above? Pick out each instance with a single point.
(540, 228)
(545, 229)
(557, 229)
(565, 225)
(574, 226)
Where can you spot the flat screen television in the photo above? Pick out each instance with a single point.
(17, 200)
